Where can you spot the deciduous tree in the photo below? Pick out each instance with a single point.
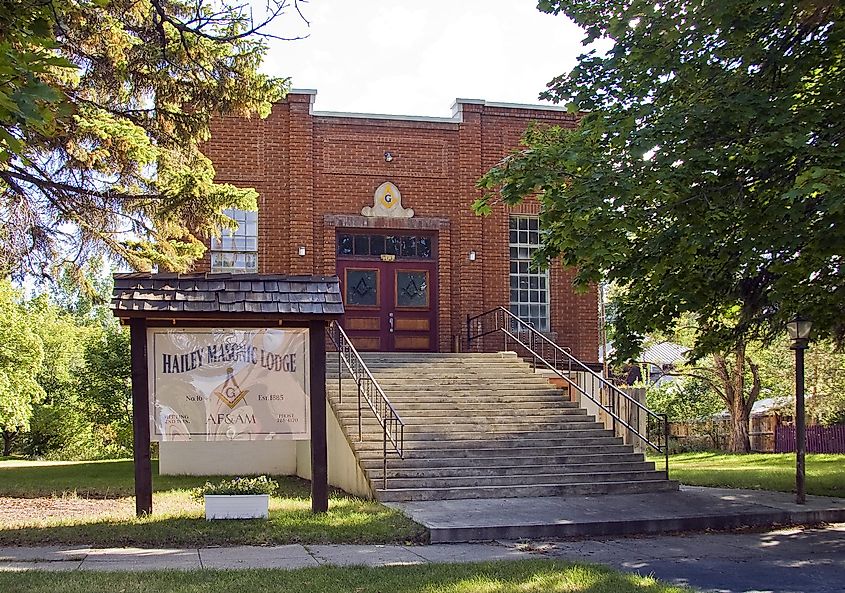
(707, 175)
(21, 358)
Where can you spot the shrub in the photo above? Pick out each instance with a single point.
(258, 485)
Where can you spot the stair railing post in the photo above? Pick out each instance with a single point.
(360, 438)
(384, 454)
(615, 407)
(469, 333)
(339, 344)
(666, 443)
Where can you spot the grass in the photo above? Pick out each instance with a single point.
(177, 519)
(761, 471)
(529, 576)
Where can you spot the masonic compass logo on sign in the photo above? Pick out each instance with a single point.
(231, 394)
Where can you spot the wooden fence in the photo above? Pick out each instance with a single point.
(715, 433)
(820, 439)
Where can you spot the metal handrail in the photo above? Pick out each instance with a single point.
(504, 321)
(392, 425)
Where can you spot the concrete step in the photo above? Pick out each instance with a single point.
(517, 387)
(468, 422)
(483, 481)
(501, 446)
(444, 376)
(510, 462)
(518, 471)
(586, 488)
(422, 434)
(471, 400)
(428, 450)
(539, 438)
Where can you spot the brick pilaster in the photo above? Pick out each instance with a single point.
(301, 184)
(470, 289)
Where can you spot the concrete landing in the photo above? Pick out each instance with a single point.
(690, 509)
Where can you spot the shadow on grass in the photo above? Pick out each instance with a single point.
(177, 520)
(349, 520)
(529, 576)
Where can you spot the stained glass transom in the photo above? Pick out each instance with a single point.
(401, 246)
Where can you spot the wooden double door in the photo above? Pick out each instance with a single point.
(390, 301)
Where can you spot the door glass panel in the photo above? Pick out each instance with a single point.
(412, 289)
(362, 287)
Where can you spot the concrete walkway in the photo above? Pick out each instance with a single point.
(792, 560)
(690, 509)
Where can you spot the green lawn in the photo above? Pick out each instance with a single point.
(177, 519)
(762, 471)
(529, 576)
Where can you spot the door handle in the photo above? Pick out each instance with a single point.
(390, 320)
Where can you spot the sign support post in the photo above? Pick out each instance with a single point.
(141, 417)
(319, 453)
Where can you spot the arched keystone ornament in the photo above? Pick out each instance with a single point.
(387, 203)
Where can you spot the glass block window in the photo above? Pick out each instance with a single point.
(236, 251)
(529, 287)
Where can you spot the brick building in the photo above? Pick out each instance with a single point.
(384, 203)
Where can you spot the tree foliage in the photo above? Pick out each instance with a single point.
(707, 174)
(64, 374)
(103, 109)
(21, 360)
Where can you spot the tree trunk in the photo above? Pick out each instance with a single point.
(740, 441)
(8, 439)
(732, 378)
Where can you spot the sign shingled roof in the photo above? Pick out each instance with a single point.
(266, 294)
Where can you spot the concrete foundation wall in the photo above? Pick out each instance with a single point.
(227, 458)
(630, 413)
(344, 471)
(284, 458)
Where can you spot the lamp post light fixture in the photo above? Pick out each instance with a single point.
(799, 332)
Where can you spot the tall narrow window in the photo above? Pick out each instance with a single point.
(529, 287)
(236, 251)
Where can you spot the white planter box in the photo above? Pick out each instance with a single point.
(237, 506)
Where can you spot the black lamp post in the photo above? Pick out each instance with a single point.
(799, 333)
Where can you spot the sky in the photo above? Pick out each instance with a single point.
(415, 57)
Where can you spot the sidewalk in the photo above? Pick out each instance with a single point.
(240, 557)
(791, 560)
(692, 508)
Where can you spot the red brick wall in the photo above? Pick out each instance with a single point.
(315, 173)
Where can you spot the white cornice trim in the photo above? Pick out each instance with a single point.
(457, 110)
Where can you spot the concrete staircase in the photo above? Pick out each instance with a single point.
(485, 426)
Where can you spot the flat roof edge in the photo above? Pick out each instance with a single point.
(457, 111)
(387, 116)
